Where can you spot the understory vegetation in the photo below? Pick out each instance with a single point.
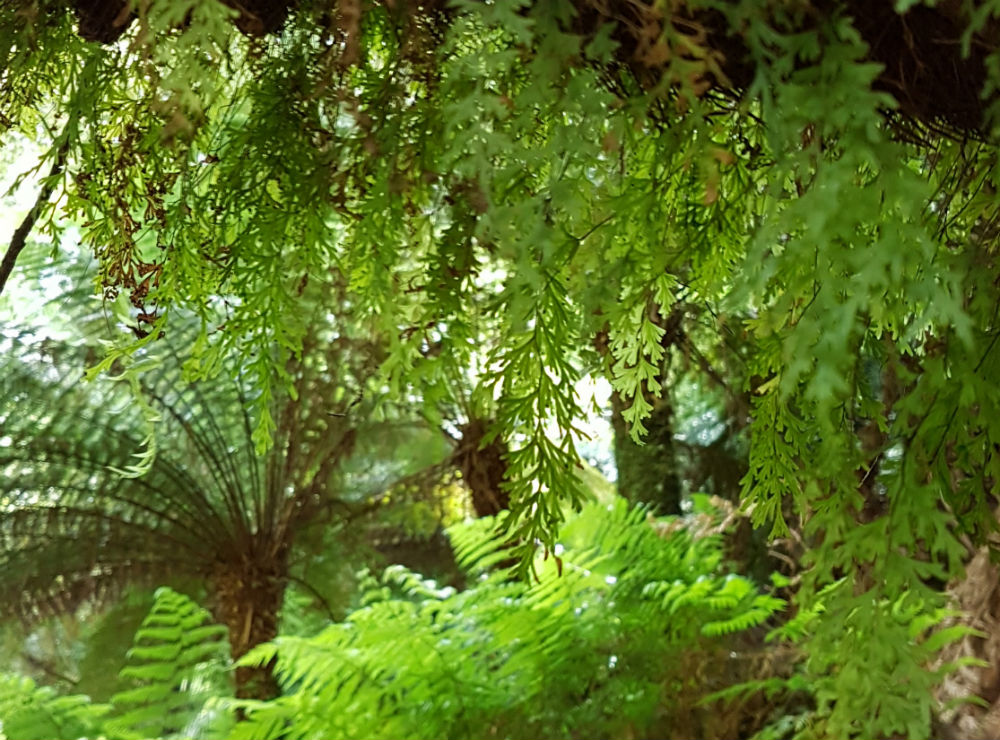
(627, 628)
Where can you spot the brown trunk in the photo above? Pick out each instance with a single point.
(978, 597)
(483, 468)
(248, 596)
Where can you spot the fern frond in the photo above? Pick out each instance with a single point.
(30, 712)
(510, 659)
(176, 663)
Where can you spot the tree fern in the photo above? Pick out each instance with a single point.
(82, 518)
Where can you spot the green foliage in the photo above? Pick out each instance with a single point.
(596, 646)
(513, 192)
(177, 661)
(599, 645)
(177, 664)
(82, 520)
(853, 683)
(106, 640)
(82, 652)
(30, 712)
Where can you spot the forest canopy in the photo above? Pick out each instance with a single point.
(792, 202)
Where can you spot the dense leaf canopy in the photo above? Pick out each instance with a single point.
(524, 193)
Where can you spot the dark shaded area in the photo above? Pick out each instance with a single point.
(647, 473)
(922, 58)
(430, 555)
(924, 69)
(259, 17)
(920, 51)
(104, 21)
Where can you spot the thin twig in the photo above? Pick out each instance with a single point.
(331, 615)
(41, 665)
(20, 238)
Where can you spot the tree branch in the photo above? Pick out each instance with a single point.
(20, 238)
(48, 669)
(316, 595)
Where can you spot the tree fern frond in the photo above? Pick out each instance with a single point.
(475, 550)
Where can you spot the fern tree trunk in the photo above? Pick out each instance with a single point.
(977, 596)
(483, 467)
(648, 473)
(248, 596)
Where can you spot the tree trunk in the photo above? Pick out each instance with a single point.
(483, 468)
(977, 595)
(647, 473)
(248, 596)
